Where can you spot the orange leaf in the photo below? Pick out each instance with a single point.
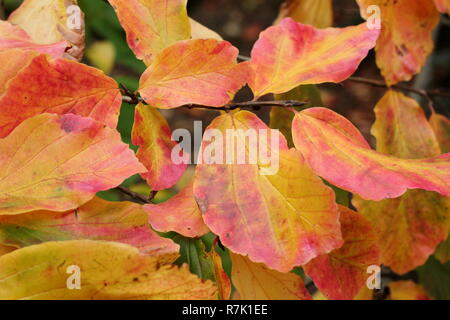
(193, 72)
(180, 214)
(337, 151)
(58, 163)
(313, 12)
(441, 127)
(284, 218)
(292, 54)
(152, 25)
(98, 219)
(16, 60)
(342, 273)
(406, 37)
(58, 86)
(407, 290)
(254, 281)
(421, 218)
(107, 270)
(152, 134)
(15, 37)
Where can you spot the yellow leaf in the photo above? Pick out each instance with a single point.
(108, 270)
(199, 31)
(318, 13)
(254, 281)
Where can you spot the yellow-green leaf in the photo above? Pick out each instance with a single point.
(108, 271)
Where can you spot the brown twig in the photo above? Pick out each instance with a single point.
(231, 106)
(380, 83)
(135, 196)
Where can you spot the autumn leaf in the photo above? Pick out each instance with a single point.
(441, 127)
(409, 227)
(16, 60)
(98, 219)
(291, 54)
(254, 281)
(443, 6)
(406, 36)
(57, 86)
(338, 152)
(15, 37)
(109, 271)
(152, 134)
(198, 71)
(152, 25)
(342, 273)
(6, 249)
(407, 290)
(180, 214)
(199, 31)
(58, 163)
(283, 218)
(52, 21)
(396, 115)
(313, 12)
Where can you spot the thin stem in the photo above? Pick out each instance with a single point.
(134, 195)
(380, 83)
(231, 106)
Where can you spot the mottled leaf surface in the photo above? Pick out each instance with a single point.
(284, 218)
(58, 163)
(109, 271)
(291, 54)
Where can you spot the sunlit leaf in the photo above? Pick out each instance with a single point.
(98, 219)
(58, 163)
(15, 37)
(337, 151)
(254, 281)
(108, 271)
(284, 217)
(180, 214)
(409, 227)
(406, 37)
(52, 21)
(194, 72)
(291, 54)
(57, 86)
(342, 273)
(313, 12)
(152, 134)
(152, 25)
(199, 31)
